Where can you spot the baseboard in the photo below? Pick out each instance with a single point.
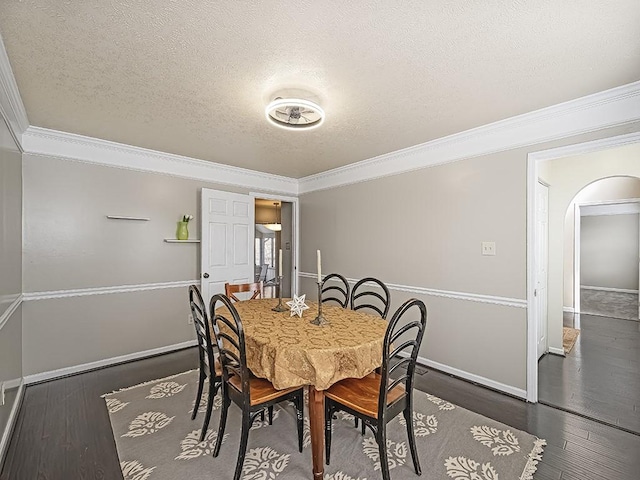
(608, 289)
(65, 372)
(472, 377)
(11, 423)
(557, 351)
(568, 310)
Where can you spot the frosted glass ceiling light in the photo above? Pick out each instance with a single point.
(294, 113)
(277, 226)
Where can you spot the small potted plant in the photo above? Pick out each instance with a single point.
(183, 231)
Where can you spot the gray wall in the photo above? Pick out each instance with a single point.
(70, 244)
(10, 270)
(609, 251)
(423, 230)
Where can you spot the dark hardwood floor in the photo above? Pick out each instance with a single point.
(600, 377)
(63, 430)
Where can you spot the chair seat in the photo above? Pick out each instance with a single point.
(217, 366)
(361, 394)
(261, 390)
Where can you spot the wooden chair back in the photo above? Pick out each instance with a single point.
(203, 332)
(401, 345)
(229, 336)
(363, 297)
(230, 289)
(335, 292)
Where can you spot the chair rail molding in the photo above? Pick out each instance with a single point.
(13, 306)
(69, 146)
(82, 292)
(471, 297)
(614, 107)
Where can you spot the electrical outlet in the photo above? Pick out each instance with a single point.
(190, 319)
(488, 248)
(1, 394)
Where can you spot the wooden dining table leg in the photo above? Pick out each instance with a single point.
(316, 425)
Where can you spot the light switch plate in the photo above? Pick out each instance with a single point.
(488, 248)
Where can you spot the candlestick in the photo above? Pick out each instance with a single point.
(319, 267)
(320, 320)
(280, 263)
(280, 306)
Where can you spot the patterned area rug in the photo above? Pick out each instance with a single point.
(157, 440)
(569, 338)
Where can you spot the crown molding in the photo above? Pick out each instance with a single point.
(53, 143)
(614, 107)
(11, 106)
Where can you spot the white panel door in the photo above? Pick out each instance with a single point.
(228, 230)
(541, 262)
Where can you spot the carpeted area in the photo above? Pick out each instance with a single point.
(609, 304)
(569, 338)
(156, 440)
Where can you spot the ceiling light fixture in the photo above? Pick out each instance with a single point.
(277, 225)
(294, 114)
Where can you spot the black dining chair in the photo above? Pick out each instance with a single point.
(250, 393)
(335, 292)
(362, 296)
(378, 398)
(209, 364)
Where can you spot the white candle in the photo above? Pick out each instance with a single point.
(319, 268)
(280, 263)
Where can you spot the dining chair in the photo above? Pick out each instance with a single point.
(249, 393)
(334, 292)
(256, 288)
(209, 364)
(362, 296)
(378, 398)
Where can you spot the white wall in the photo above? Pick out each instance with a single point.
(609, 251)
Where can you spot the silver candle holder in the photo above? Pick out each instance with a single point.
(280, 306)
(320, 320)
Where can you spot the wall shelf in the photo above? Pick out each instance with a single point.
(120, 217)
(175, 240)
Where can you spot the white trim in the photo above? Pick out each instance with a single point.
(295, 230)
(68, 146)
(557, 351)
(614, 107)
(610, 208)
(568, 309)
(577, 225)
(6, 315)
(11, 106)
(586, 147)
(502, 387)
(472, 297)
(82, 292)
(609, 289)
(13, 416)
(63, 372)
(533, 159)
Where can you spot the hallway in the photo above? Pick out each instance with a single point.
(600, 377)
(609, 304)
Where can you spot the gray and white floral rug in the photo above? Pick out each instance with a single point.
(157, 440)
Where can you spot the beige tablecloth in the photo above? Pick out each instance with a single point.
(290, 351)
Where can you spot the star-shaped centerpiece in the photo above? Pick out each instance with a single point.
(297, 305)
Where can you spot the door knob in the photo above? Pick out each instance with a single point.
(205, 275)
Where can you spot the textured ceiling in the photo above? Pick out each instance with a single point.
(193, 77)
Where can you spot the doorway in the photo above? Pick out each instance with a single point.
(276, 243)
(596, 375)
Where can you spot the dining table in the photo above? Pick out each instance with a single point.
(290, 351)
